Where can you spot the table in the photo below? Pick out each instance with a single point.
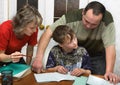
(30, 80)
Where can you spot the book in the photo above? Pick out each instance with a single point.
(93, 80)
(19, 70)
(53, 76)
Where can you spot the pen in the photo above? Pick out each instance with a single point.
(20, 55)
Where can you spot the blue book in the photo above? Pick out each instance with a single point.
(18, 69)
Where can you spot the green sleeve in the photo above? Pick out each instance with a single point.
(60, 21)
(108, 35)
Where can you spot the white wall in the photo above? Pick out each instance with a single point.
(8, 9)
(3, 10)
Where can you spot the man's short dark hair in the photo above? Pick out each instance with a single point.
(97, 8)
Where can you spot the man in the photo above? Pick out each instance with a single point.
(94, 28)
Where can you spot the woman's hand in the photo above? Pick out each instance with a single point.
(15, 57)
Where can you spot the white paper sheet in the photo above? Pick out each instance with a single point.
(54, 76)
(93, 80)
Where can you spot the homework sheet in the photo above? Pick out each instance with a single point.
(54, 76)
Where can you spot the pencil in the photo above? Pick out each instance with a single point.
(20, 55)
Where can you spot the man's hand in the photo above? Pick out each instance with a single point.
(37, 65)
(113, 78)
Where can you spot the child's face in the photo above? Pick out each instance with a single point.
(69, 44)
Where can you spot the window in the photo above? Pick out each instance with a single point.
(63, 6)
(21, 3)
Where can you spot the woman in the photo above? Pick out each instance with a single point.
(16, 33)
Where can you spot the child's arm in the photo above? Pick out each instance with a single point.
(80, 71)
(54, 69)
(84, 71)
(59, 69)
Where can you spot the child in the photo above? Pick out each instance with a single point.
(67, 56)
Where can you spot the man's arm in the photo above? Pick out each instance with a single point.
(110, 58)
(110, 61)
(43, 42)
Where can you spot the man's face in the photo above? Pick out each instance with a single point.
(91, 21)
